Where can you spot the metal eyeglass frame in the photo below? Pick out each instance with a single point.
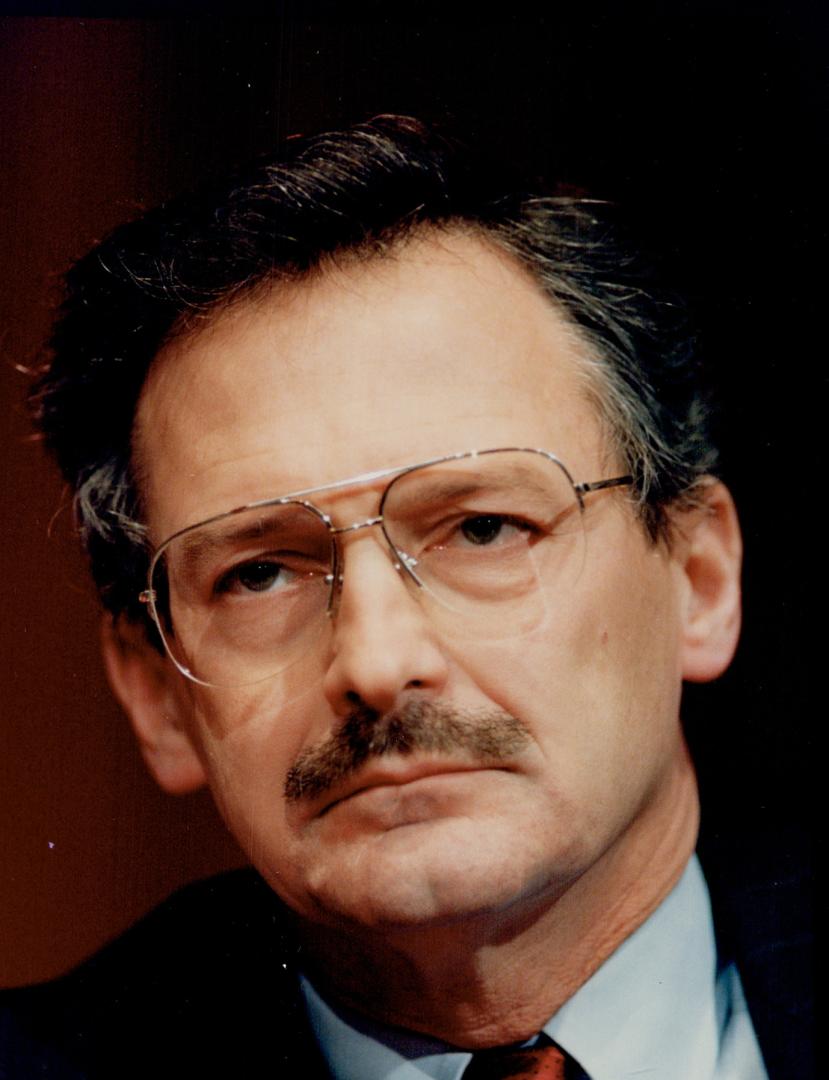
(404, 563)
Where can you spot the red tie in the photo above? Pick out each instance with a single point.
(545, 1063)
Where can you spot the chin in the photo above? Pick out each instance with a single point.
(422, 876)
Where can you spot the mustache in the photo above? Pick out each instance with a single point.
(487, 735)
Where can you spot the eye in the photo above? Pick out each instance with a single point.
(488, 530)
(484, 529)
(256, 576)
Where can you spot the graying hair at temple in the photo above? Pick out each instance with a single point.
(358, 193)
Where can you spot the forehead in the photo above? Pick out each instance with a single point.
(444, 345)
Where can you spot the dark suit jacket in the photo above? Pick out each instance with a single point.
(206, 984)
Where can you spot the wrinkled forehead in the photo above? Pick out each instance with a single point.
(441, 346)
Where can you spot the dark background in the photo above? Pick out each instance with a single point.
(707, 120)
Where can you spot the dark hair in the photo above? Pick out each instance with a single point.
(361, 191)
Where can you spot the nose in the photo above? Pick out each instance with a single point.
(383, 647)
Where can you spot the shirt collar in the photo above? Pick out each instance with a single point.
(650, 1009)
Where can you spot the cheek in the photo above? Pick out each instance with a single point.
(261, 726)
(599, 683)
(624, 625)
(248, 740)
(628, 674)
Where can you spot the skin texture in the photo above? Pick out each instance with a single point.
(461, 896)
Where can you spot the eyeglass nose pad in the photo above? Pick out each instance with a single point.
(403, 563)
(406, 564)
(335, 583)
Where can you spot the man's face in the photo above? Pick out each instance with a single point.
(444, 347)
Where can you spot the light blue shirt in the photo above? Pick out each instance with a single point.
(659, 1008)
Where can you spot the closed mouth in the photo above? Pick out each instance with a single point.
(398, 775)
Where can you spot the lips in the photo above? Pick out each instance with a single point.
(397, 774)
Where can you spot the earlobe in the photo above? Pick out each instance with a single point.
(712, 561)
(150, 694)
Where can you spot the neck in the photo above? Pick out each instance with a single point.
(489, 981)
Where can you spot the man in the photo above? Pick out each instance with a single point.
(398, 494)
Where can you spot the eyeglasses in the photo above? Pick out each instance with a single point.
(488, 540)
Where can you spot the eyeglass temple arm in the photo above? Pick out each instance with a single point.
(599, 485)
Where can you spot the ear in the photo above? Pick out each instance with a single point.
(150, 692)
(711, 552)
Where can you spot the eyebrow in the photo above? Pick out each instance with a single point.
(196, 549)
(445, 488)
